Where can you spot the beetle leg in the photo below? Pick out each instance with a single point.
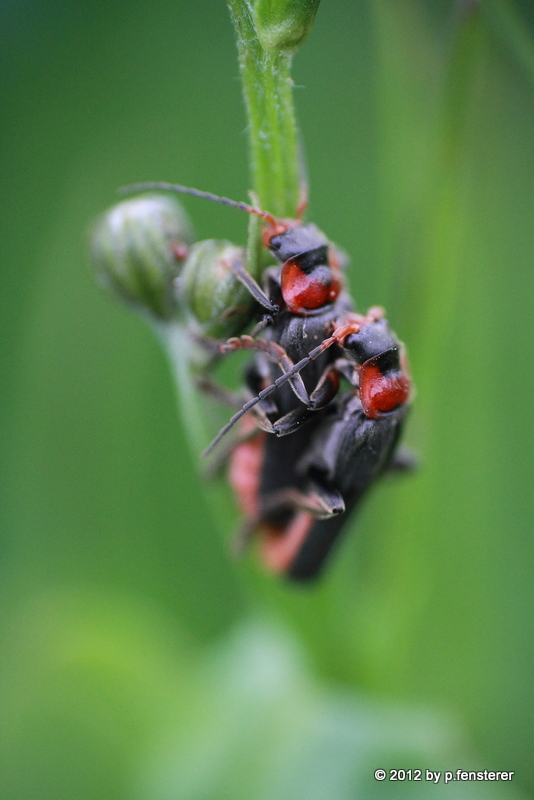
(285, 425)
(236, 400)
(274, 353)
(326, 389)
(271, 281)
(323, 503)
(328, 498)
(324, 392)
(292, 421)
(280, 549)
(246, 342)
(262, 420)
(348, 370)
(316, 504)
(258, 376)
(264, 322)
(253, 287)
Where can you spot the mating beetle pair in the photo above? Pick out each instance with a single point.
(323, 448)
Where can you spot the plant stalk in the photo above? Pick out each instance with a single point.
(267, 89)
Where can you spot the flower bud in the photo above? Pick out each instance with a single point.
(219, 303)
(282, 25)
(138, 248)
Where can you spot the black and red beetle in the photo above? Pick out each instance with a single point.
(297, 496)
(297, 487)
(297, 491)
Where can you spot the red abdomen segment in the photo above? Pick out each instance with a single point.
(279, 547)
(245, 472)
(384, 383)
(305, 291)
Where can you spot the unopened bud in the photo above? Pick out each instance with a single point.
(138, 248)
(208, 287)
(282, 25)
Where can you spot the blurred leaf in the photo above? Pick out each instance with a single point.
(270, 732)
(508, 25)
(86, 677)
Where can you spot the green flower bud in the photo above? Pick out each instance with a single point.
(283, 24)
(216, 299)
(138, 248)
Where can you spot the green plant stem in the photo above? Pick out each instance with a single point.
(267, 88)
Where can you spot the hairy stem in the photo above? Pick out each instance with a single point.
(267, 88)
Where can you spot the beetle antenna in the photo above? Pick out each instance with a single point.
(295, 369)
(174, 187)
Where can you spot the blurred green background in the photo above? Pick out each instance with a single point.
(137, 661)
